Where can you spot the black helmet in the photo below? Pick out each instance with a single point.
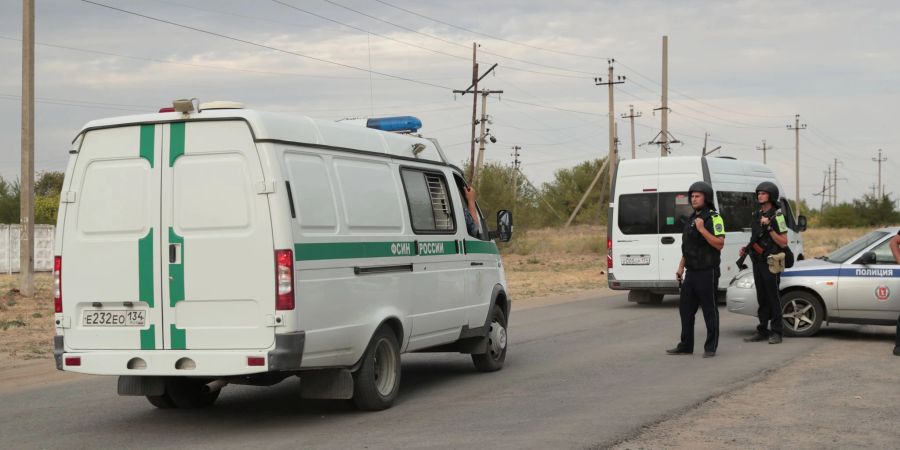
(704, 188)
(770, 188)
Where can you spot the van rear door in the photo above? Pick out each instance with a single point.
(219, 259)
(110, 242)
(635, 247)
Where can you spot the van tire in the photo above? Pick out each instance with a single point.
(376, 383)
(186, 393)
(492, 360)
(161, 401)
(645, 297)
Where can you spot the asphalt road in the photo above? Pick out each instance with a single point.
(582, 374)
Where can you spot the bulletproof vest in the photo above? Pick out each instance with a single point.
(769, 246)
(698, 254)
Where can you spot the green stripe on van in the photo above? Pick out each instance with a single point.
(148, 338)
(353, 250)
(179, 340)
(176, 142)
(176, 271)
(482, 247)
(147, 145)
(145, 268)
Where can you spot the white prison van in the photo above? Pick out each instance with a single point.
(650, 204)
(216, 245)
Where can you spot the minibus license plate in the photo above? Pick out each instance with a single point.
(635, 260)
(114, 318)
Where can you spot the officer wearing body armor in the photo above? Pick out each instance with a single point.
(701, 246)
(769, 236)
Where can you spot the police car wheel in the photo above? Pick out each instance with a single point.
(802, 314)
(188, 393)
(492, 360)
(376, 383)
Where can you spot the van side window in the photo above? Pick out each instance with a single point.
(736, 209)
(638, 213)
(674, 210)
(429, 202)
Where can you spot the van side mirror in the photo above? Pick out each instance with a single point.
(801, 223)
(504, 226)
(867, 258)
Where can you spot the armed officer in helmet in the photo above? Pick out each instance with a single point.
(701, 247)
(769, 236)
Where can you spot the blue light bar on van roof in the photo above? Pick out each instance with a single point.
(403, 124)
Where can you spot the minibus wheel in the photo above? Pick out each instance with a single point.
(376, 383)
(492, 360)
(161, 401)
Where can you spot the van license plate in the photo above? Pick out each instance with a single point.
(114, 318)
(635, 260)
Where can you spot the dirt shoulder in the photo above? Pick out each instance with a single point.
(842, 395)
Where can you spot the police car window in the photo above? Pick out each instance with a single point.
(883, 253)
(844, 253)
(674, 210)
(637, 213)
(429, 202)
(736, 209)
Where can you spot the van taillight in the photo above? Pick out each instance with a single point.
(284, 279)
(57, 283)
(609, 253)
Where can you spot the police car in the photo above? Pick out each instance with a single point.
(858, 283)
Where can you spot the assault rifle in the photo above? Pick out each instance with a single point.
(754, 240)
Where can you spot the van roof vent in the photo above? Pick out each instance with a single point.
(221, 105)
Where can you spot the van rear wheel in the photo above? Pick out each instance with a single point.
(161, 401)
(645, 297)
(492, 360)
(376, 383)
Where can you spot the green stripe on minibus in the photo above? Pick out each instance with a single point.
(145, 269)
(147, 144)
(176, 142)
(481, 247)
(352, 250)
(148, 338)
(179, 340)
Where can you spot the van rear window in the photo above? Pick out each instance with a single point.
(736, 209)
(638, 213)
(674, 210)
(654, 213)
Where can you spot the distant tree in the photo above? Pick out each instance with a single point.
(48, 183)
(569, 185)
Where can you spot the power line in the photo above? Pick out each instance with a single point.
(411, 30)
(488, 35)
(267, 47)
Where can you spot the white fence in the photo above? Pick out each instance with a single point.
(9, 248)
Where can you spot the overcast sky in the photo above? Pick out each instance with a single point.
(737, 70)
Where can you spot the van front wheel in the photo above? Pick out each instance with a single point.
(492, 360)
(376, 383)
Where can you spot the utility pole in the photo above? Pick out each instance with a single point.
(797, 127)
(830, 201)
(705, 138)
(613, 156)
(473, 89)
(485, 133)
(631, 115)
(764, 148)
(834, 183)
(515, 180)
(874, 188)
(879, 160)
(664, 133)
(26, 204)
(664, 138)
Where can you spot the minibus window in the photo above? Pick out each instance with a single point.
(429, 202)
(674, 210)
(637, 213)
(736, 209)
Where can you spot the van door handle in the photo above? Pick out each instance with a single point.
(477, 263)
(667, 240)
(173, 253)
